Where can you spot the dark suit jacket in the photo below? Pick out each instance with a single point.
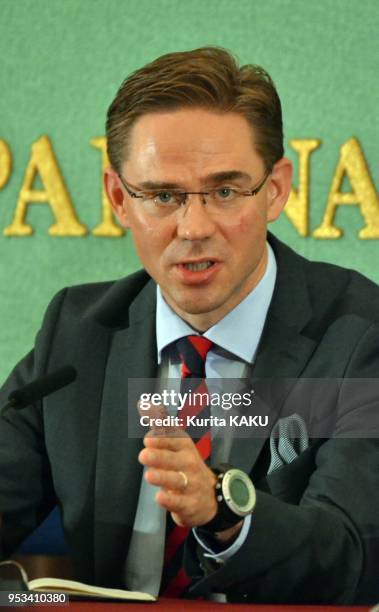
(315, 530)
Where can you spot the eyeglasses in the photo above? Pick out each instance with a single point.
(160, 202)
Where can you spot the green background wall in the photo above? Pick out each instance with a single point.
(61, 62)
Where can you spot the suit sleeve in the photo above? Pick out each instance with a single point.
(26, 490)
(323, 548)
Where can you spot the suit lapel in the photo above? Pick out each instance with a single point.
(283, 350)
(118, 473)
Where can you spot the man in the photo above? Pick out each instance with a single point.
(197, 172)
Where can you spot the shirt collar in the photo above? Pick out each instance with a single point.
(238, 332)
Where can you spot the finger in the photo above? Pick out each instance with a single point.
(161, 459)
(152, 411)
(172, 501)
(176, 442)
(166, 479)
(163, 432)
(156, 415)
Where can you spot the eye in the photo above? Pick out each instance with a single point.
(224, 193)
(164, 197)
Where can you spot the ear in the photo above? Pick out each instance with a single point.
(116, 195)
(279, 188)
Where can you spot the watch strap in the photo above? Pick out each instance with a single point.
(225, 518)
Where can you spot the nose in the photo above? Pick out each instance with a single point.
(194, 221)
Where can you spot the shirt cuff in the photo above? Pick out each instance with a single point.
(225, 554)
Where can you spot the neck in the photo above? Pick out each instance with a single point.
(203, 321)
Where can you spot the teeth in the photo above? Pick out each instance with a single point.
(196, 267)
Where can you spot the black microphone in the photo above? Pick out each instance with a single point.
(36, 390)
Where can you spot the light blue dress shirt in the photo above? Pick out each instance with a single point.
(236, 337)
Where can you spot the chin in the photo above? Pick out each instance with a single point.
(197, 307)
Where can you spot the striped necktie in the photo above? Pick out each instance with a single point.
(193, 351)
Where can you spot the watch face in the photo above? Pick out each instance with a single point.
(238, 492)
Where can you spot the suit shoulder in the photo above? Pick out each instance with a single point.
(343, 290)
(327, 291)
(92, 299)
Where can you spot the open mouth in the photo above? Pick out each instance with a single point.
(198, 266)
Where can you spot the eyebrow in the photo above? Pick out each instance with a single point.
(215, 177)
(153, 185)
(228, 175)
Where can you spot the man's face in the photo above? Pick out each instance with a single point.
(185, 149)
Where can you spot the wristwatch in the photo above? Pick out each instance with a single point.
(235, 495)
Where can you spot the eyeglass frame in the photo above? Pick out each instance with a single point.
(135, 194)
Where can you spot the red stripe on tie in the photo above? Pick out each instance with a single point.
(174, 541)
(177, 585)
(204, 445)
(186, 372)
(201, 394)
(201, 344)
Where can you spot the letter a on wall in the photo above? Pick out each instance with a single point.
(352, 163)
(44, 163)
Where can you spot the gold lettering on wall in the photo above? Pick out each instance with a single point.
(5, 163)
(351, 168)
(107, 227)
(353, 165)
(297, 207)
(44, 163)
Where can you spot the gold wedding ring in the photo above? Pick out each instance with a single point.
(185, 479)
